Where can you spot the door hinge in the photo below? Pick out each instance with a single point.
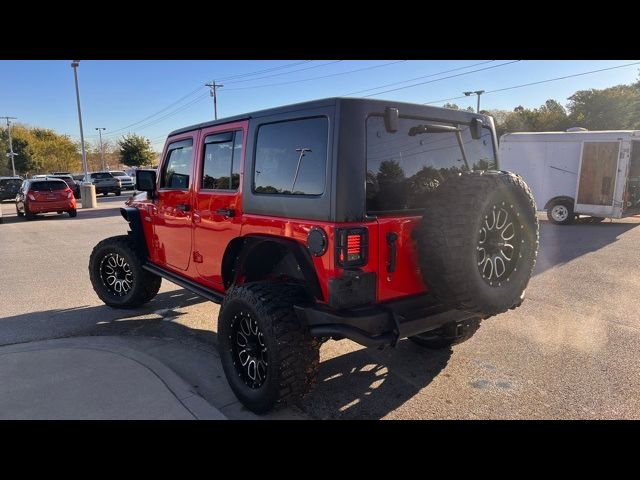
(197, 257)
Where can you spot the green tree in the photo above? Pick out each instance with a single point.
(20, 139)
(607, 109)
(135, 150)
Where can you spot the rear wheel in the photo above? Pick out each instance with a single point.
(73, 213)
(117, 276)
(560, 212)
(118, 193)
(268, 356)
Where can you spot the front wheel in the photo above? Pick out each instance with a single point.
(117, 276)
(268, 356)
(118, 193)
(560, 212)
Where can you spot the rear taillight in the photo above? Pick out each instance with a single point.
(31, 197)
(69, 193)
(351, 246)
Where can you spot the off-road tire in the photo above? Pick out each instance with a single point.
(145, 285)
(443, 337)
(449, 236)
(571, 217)
(73, 213)
(292, 353)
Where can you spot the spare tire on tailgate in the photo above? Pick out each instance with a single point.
(478, 241)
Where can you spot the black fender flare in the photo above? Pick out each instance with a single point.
(240, 249)
(136, 232)
(559, 197)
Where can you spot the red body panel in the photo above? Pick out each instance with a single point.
(406, 279)
(213, 231)
(55, 201)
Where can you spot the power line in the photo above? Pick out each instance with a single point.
(418, 78)
(539, 82)
(286, 73)
(115, 131)
(443, 78)
(318, 78)
(197, 99)
(241, 75)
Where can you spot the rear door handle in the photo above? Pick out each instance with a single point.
(227, 212)
(183, 207)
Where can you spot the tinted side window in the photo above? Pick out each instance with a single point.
(177, 166)
(222, 155)
(291, 157)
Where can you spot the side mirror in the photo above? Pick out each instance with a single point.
(146, 181)
(476, 128)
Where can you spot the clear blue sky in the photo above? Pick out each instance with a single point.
(116, 94)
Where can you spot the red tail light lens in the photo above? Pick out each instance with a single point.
(351, 246)
(31, 197)
(69, 193)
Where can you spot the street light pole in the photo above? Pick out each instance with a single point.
(104, 166)
(478, 93)
(11, 153)
(75, 65)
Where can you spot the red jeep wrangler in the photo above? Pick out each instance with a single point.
(339, 218)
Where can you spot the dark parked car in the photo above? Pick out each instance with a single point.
(9, 187)
(73, 185)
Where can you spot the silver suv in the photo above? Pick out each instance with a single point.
(126, 181)
(105, 183)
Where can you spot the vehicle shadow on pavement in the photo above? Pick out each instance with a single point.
(371, 383)
(152, 319)
(560, 244)
(49, 217)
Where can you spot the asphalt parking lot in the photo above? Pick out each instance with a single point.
(570, 351)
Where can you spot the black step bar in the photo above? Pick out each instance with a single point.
(194, 287)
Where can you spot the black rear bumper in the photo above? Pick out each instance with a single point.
(383, 323)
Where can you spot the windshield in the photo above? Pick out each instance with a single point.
(48, 185)
(403, 167)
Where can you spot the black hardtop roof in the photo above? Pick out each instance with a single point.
(325, 102)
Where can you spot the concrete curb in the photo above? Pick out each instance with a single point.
(194, 403)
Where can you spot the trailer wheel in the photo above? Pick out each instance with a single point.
(560, 212)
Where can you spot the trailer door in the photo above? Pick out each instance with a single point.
(597, 179)
(632, 193)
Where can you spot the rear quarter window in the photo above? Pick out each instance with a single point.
(291, 157)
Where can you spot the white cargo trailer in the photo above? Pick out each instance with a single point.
(577, 172)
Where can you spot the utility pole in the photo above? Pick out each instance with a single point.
(11, 153)
(213, 86)
(478, 93)
(104, 166)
